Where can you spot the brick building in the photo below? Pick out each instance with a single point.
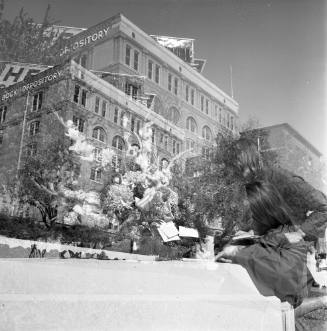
(294, 153)
(182, 95)
(118, 71)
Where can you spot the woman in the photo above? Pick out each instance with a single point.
(275, 265)
(307, 205)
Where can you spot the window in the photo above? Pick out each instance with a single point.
(34, 128)
(116, 162)
(216, 112)
(131, 89)
(97, 153)
(177, 148)
(31, 149)
(79, 123)
(80, 95)
(206, 152)
(202, 102)
(166, 143)
(186, 92)
(118, 142)
(136, 60)
(37, 101)
(228, 120)
(1, 137)
(189, 144)
(192, 97)
(3, 113)
(97, 105)
(104, 108)
(207, 106)
(174, 146)
(76, 93)
(116, 115)
(157, 74)
(170, 78)
(128, 55)
(153, 136)
(138, 127)
(161, 138)
(83, 100)
(206, 133)
(176, 85)
(83, 60)
(95, 174)
(98, 134)
(220, 115)
(191, 124)
(150, 65)
(122, 116)
(232, 122)
(173, 115)
(132, 124)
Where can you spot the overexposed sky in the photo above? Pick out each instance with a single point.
(277, 48)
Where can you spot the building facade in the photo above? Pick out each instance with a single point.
(182, 95)
(294, 153)
(114, 72)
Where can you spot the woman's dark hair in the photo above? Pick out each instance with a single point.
(247, 155)
(269, 210)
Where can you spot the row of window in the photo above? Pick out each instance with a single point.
(132, 57)
(101, 107)
(96, 172)
(153, 73)
(205, 150)
(37, 99)
(192, 127)
(120, 117)
(124, 118)
(221, 115)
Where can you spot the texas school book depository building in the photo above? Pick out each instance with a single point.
(118, 70)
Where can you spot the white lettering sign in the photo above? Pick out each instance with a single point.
(24, 88)
(13, 73)
(85, 41)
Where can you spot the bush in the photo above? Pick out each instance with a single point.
(24, 228)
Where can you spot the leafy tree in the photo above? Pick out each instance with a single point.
(187, 189)
(23, 40)
(217, 190)
(45, 176)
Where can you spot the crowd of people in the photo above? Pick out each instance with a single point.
(288, 216)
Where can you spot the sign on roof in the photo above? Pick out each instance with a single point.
(88, 37)
(32, 82)
(14, 72)
(182, 47)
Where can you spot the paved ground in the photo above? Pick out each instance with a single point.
(49, 294)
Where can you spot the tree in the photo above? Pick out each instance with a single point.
(23, 40)
(217, 191)
(45, 176)
(187, 189)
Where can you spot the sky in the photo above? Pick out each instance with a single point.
(276, 48)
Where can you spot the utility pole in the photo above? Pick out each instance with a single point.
(231, 81)
(23, 133)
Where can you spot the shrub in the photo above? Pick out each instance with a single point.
(24, 228)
